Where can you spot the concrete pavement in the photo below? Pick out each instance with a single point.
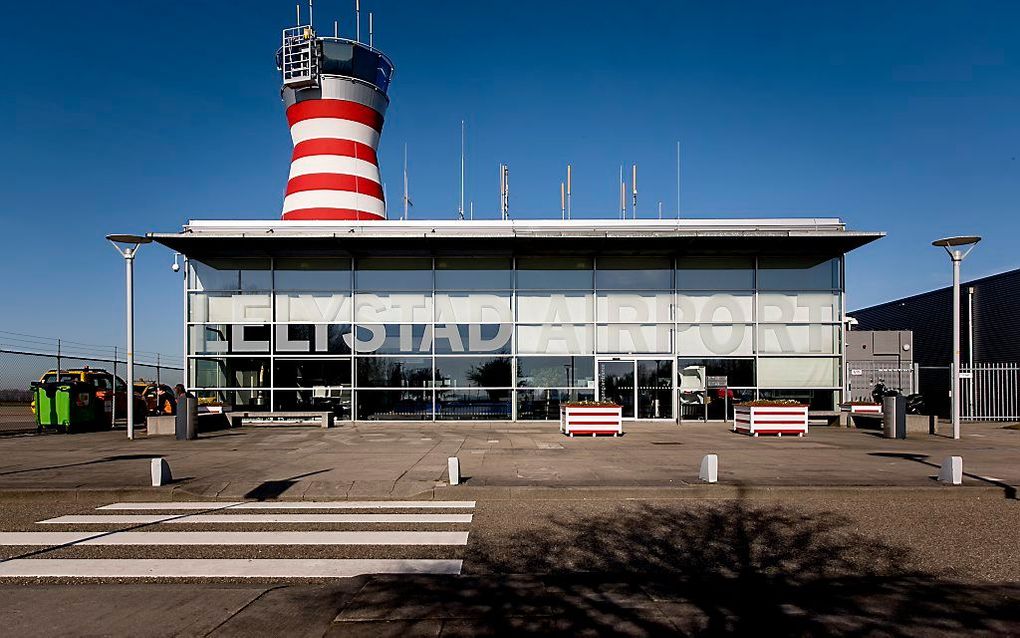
(404, 460)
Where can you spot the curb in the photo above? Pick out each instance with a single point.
(692, 491)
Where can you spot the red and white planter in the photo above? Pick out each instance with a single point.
(591, 419)
(771, 419)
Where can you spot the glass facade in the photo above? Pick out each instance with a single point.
(499, 337)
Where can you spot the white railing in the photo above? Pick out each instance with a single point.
(989, 392)
(299, 63)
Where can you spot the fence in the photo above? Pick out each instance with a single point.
(26, 358)
(862, 376)
(988, 392)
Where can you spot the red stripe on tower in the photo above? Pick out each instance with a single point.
(334, 167)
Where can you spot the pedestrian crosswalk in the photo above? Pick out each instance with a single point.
(390, 551)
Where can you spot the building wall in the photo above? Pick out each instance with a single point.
(496, 337)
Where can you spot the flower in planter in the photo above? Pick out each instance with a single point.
(772, 403)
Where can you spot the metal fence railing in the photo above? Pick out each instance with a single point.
(863, 376)
(26, 358)
(989, 392)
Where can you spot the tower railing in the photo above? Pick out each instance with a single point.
(299, 62)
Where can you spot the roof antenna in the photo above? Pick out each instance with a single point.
(623, 195)
(336, 28)
(357, 13)
(678, 179)
(298, 7)
(504, 191)
(568, 191)
(563, 201)
(633, 185)
(371, 37)
(660, 210)
(471, 208)
(460, 209)
(407, 195)
(311, 14)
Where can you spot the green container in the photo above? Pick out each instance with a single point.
(68, 405)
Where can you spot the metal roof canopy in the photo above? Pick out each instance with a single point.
(247, 238)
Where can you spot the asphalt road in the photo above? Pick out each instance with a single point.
(926, 562)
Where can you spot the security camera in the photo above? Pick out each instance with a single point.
(175, 266)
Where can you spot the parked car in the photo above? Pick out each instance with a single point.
(103, 381)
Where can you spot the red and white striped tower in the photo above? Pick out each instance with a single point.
(335, 93)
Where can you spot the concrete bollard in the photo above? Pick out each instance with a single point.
(952, 470)
(160, 470)
(709, 469)
(454, 464)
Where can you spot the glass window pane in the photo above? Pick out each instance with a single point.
(634, 338)
(313, 274)
(634, 273)
(715, 273)
(633, 307)
(655, 389)
(714, 339)
(468, 372)
(555, 339)
(314, 339)
(473, 307)
(394, 405)
(394, 273)
(798, 273)
(322, 307)
(544, 403)
(221, 338)
(556, 372)
(718, 307)
(230, 372)
(393, 339)
(473, 273)
(475, 338)
(252, 400)
(798, 339)
(379, 307)
(804, 307)
(229, 307)
(473, 404)
(571, 307)
(797, 372)
(214, 274)
(554, 273)
(730, 373)
(308, 373)
(394, 372)
(815, 399)
(319, 400)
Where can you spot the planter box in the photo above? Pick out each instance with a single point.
(771, 419)
(591, 419)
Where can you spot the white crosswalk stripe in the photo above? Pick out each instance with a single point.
(290, 505)
(150, 529)
(100, 519)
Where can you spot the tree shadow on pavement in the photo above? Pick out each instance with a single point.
(692, 569)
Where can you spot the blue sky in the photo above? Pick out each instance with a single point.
(133, 117)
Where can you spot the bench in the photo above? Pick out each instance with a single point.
(830, 417)
(322, 419)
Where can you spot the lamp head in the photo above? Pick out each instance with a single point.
(953, 242)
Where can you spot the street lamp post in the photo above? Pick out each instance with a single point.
(127, 246)
(957, 248)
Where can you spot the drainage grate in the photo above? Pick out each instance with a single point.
(666, 443)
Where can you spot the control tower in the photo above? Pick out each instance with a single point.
(334, 90)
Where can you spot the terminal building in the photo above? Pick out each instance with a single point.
(333, 306)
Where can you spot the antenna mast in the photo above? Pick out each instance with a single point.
(407, 198)
(311, 14)
(460, 209)
(568, 191)
(371, 31)
(504, 191)
(633, 184)
(678, 179)
(623, 195)
(357, 13)
(563, 201)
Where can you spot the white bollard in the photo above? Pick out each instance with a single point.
(160, 470)
(709, 469)
(952, 470)
(454, 464)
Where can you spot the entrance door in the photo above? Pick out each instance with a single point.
(616, 384)
(644, 387)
